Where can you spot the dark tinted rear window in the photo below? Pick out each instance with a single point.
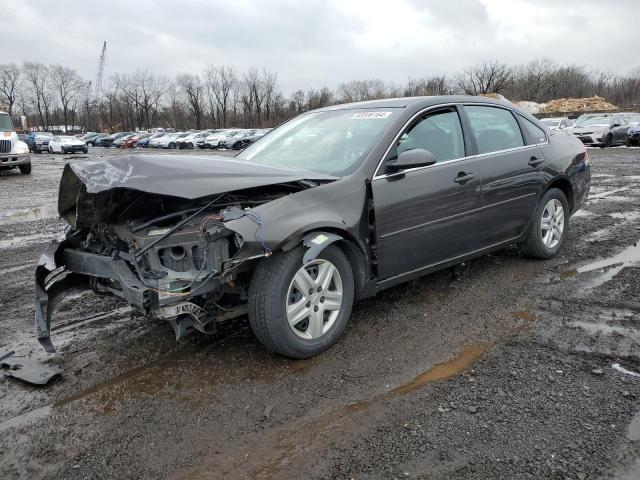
(494, 128)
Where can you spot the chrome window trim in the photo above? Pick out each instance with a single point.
(378, 176)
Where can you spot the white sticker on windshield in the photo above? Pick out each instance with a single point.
(362, 115)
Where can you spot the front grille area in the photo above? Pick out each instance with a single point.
(5, 146)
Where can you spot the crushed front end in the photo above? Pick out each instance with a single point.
(169, 258)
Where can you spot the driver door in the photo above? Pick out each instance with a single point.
(427, 215)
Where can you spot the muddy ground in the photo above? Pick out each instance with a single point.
(506, 368)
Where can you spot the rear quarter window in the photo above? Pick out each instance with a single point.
(533, 133)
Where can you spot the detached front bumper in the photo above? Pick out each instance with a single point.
(14, 160)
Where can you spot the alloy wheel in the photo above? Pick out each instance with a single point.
(552, 223)
(314, 299)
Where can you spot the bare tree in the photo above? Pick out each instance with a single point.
(68, 86)
(144, 90)
(37, 76)
(488, 77)
(221, 82)
(437, 85)
(10, 84)
(361, 90)
(193, 91)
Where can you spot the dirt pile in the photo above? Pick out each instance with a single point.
(589, 104)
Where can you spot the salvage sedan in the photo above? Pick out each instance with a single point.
(331, 207)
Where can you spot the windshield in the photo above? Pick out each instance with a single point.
(66, 139)
(6, 125)
(332, 142)
(593, 122)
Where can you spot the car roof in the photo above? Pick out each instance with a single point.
(420, 102)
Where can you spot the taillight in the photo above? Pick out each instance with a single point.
(586, 156)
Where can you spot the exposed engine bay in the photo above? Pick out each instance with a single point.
(170, 258)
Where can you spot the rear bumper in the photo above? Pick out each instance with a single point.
(13, 160)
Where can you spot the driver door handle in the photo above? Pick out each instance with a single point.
(535, 161)
(464, 177)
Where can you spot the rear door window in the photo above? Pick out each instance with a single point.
(494, 128)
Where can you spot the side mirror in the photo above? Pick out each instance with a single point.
(414, 158)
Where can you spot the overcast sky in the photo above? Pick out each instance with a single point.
(313, 43)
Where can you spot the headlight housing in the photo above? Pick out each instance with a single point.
(22, 148)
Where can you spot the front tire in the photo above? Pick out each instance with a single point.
(25, 169)
(301, 310)
(550, 226)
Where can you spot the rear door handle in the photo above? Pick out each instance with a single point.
(535, 161)
(464, 177)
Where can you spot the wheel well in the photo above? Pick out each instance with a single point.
(352, 250)
(564, 185)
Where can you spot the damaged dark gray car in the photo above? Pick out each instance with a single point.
(330, 207)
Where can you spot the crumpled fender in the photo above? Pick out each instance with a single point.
(286, 221)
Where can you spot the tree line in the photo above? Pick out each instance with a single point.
(221, 96)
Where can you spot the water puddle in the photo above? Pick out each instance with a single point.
(25, 240)
(633, 430)
(606, 329)
(440, 371)
(621, 369)
(26, 418)
(28, 214)
(15, 269)
(610, 267)
(627, 216)
(597, 194)
(584, 213)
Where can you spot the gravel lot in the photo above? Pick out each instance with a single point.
(502, 368)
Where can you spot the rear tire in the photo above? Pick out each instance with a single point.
(25, 169)
(271, 294)
(546, 246)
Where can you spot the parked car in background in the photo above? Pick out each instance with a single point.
(603, 131)
(235, 140)
(93, 141)
(14, 153)
(41, 142)
(166, 141)
(87, 135)
(117, 143)
(633, 136)
(213, 140)
(200, 141)
(144, 143)
(132, 141)
(108, 140)
(293, 233)
(66, 144)
(191, 141)
(557, 123)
